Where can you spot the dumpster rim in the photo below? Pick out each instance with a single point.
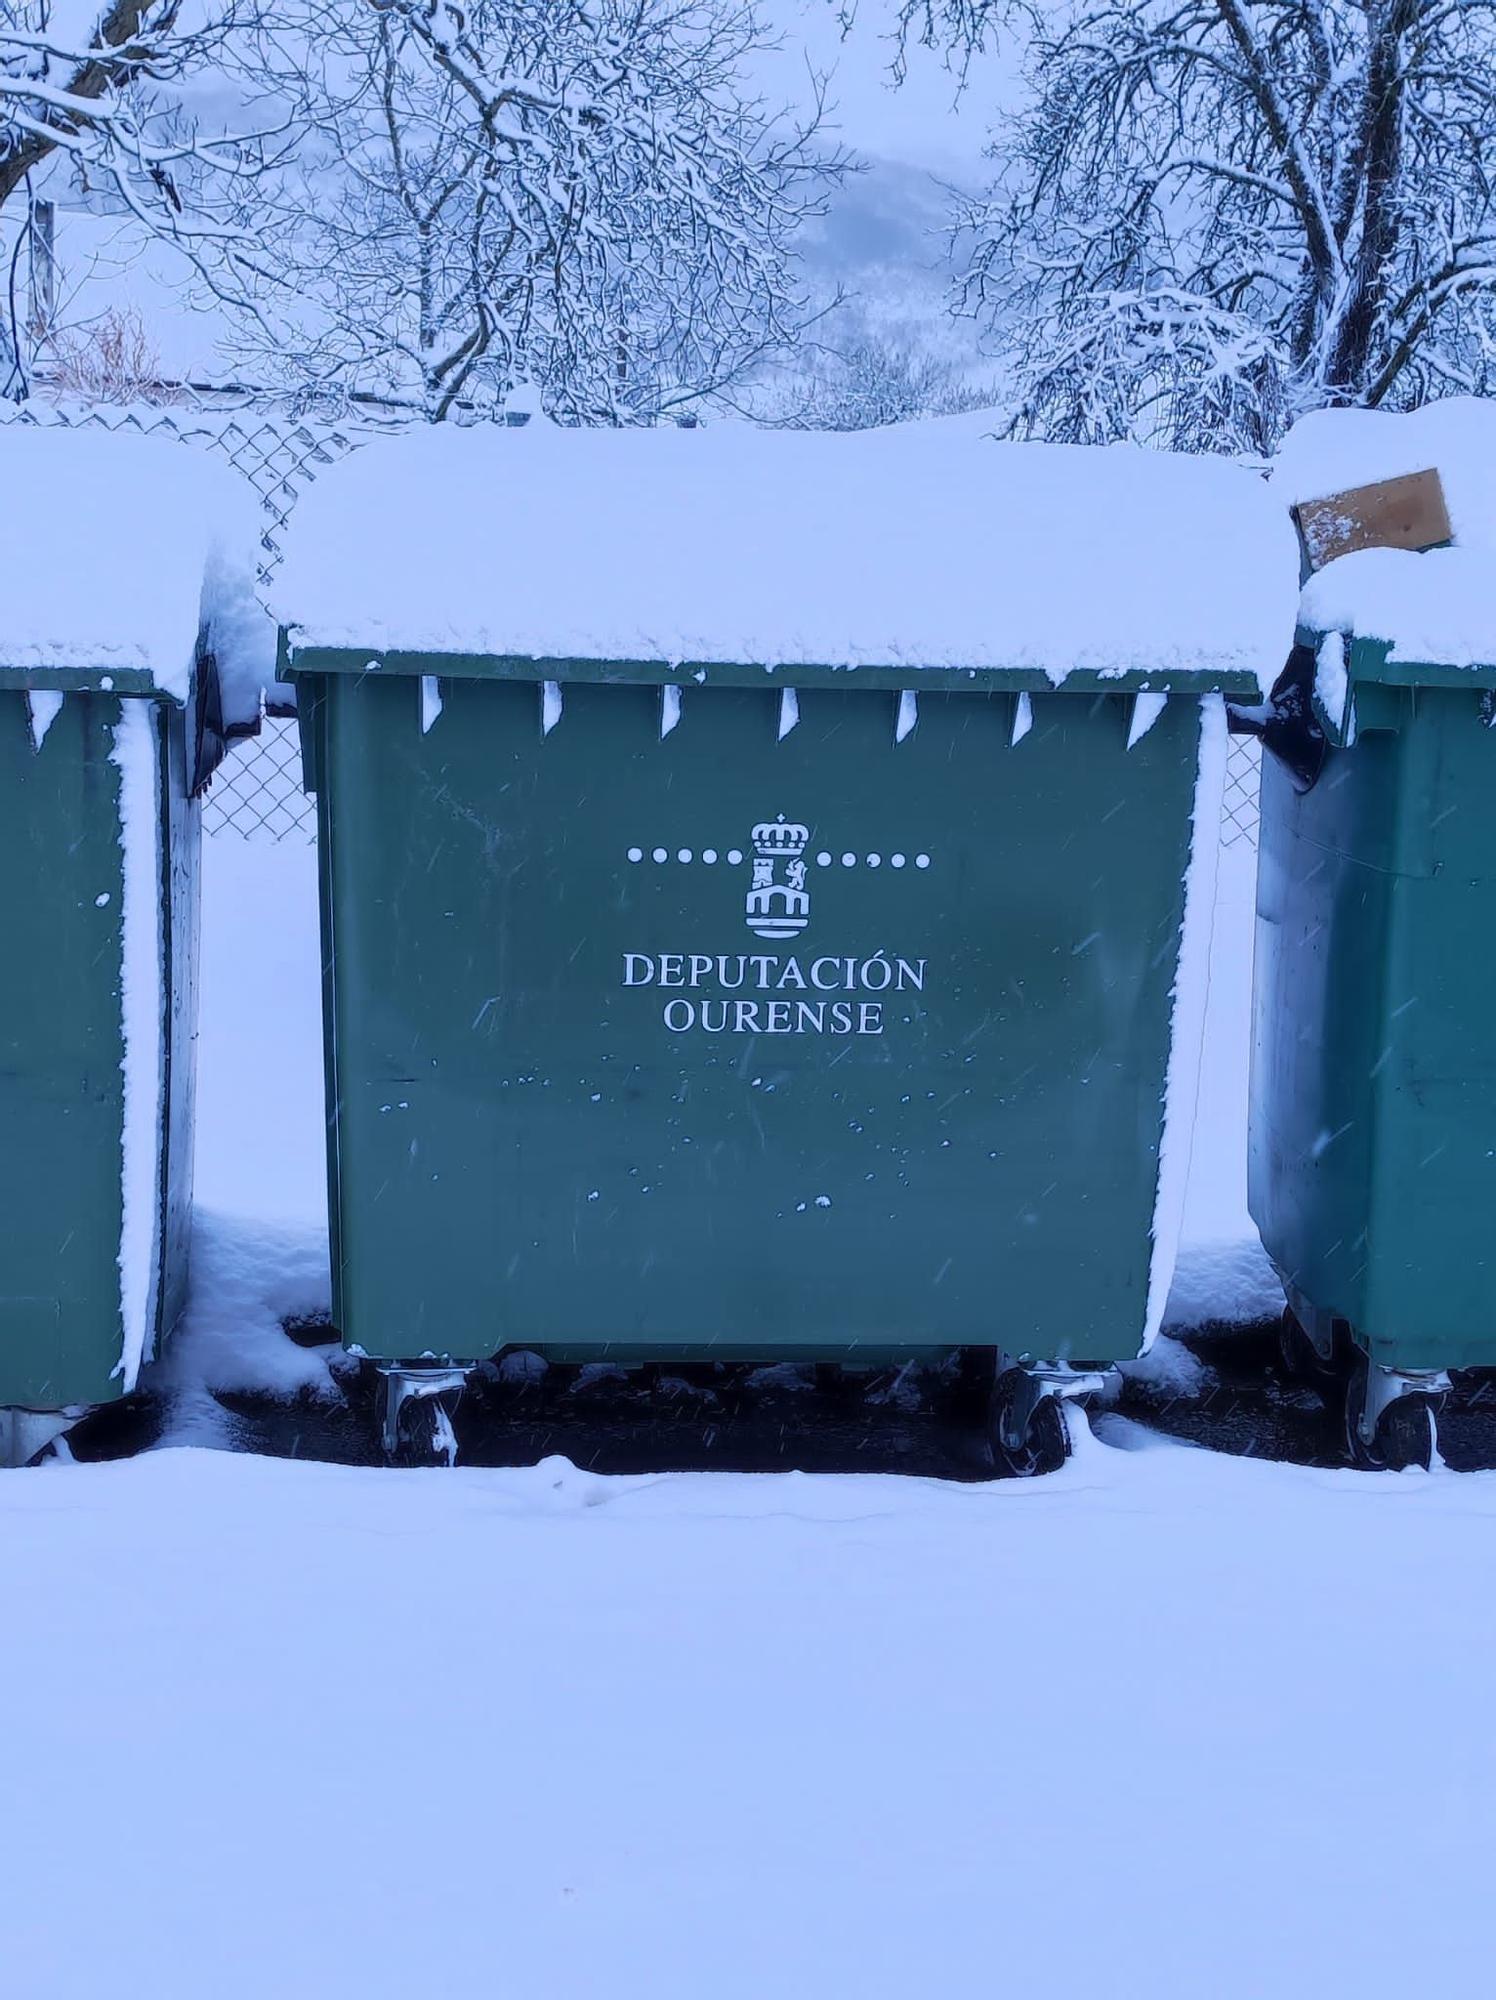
(134, 682)
(302, 661)
(1370, 659)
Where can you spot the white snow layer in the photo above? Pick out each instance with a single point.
(143, 1007)
(1189, 1000)
(920, 545)
(1331, 683)
(43, 706)
(117, 551)
(1438, 607)
(1122, 1734)
(1435, 608)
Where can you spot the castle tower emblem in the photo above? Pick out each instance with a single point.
(778, 903)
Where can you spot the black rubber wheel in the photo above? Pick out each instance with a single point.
(1045, 1444)
(424, 1429)
(1406, 1433)
(1302, 1361)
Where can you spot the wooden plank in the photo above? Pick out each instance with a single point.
(1404, 513)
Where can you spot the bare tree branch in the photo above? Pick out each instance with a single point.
(1213, 214)
(575, 193)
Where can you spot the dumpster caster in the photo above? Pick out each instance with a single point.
(1391, 1416)
(416, 1409)
(32, 1437)
(1314, 1363)
(1028, 1425)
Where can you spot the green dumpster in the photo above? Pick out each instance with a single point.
(1373, 1134)
(118, 597)
(738, 944)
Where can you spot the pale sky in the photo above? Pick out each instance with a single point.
(921, 121)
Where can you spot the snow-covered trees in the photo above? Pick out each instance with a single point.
(1213, 214)
(98, 103)
(868, 382)
(570, 192)
(100, 86)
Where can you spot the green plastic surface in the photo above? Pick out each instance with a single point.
(320, 662)
(542, 1133)
(1373, 1136)
(61, 1045)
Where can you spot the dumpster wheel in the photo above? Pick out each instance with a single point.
(416, 1410)
(1400, 1429)
(1028, 1429)
(1302, 1361)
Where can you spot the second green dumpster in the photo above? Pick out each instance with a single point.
(765, 883)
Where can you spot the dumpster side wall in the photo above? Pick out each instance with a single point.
(95, 1086)
(61, 1050)
(311, 720)
(180, 927)
(1373, 1167)
(604, 1074)
(137, 755)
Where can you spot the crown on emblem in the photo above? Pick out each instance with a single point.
(780, 838)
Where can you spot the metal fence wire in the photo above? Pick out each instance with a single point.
(1239, 804)
(256, 793)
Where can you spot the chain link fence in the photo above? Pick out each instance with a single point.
(256, 793)
(1239, 805)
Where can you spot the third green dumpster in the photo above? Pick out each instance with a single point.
(1373, 1166)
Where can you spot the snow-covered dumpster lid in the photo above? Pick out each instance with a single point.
(724, 552)
(1399, 616)
(125, 561)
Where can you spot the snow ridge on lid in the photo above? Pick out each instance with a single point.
(922, 545)
(116, 552)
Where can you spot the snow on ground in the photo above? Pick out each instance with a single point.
(1140, 1729)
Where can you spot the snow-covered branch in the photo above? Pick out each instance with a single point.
(109, 101)
(577, 193)
(1212, 214)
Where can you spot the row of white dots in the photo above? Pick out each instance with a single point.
(734, 856)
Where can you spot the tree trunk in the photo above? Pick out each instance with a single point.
(118, 26)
